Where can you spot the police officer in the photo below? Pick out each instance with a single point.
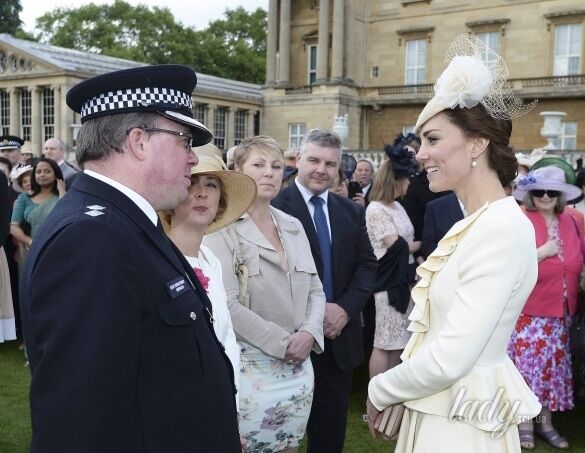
(118, 329)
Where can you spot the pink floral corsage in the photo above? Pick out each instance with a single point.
(202, 278)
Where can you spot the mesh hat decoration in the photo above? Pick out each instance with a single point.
(545, 178)
(475, 74)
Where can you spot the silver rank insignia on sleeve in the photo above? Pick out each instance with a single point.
(95, 210)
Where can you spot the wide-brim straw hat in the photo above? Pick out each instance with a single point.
(545, 178)
(17, 177)
(238, 189)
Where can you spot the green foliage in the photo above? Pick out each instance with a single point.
(233, 47)
(10, 16)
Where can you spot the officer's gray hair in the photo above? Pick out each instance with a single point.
(100, 137)
(321, 137)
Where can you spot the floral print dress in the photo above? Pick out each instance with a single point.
(539, 347)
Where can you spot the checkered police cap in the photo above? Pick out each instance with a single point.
(163, 89)
(10, 142)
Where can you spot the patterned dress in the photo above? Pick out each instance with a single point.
(539, 347)
(381, 221)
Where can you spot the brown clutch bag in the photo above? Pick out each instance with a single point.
(391, 419)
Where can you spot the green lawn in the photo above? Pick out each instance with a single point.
(15, 418)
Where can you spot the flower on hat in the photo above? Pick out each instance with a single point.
(524, 180)
(464, 82)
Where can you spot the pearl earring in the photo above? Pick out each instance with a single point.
(473, 163)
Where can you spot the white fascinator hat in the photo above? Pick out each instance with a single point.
(475, 74)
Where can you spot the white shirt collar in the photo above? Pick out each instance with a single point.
(138, 199)
(307, 194)
(61, 162)
(366, 188)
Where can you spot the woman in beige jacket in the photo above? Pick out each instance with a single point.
(461, 391)
(281, 319)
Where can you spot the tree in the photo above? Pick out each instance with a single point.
(233, 48)
(10, 16)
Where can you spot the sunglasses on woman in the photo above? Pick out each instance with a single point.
(540, 193)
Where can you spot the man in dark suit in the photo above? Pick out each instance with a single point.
(346, 264)
(441, 214)
(118, 329)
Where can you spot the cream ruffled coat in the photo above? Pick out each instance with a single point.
(455, 370)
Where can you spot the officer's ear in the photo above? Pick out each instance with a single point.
(135, 142)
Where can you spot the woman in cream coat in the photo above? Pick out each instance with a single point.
(281, 321)
(461, 391)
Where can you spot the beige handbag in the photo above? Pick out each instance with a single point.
(391, 420)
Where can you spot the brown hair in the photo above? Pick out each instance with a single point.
(560, 205)
(384, 184)
(477, 122)
(167, 214)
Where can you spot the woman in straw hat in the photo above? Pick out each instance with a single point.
(217, 197)
(278, 317)
(460, 389)
(539, 345)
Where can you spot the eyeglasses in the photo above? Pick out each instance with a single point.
(540, 193)
(189, 137)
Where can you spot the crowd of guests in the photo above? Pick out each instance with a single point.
(274, 274)
(34, 183)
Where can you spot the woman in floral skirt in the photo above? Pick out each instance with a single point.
(280, 321)
(539, 345)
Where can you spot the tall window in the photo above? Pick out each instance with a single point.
(219, 127)
(416, 50)
(239, 126)
(312, 64)
(25, 115)
(568, 138)
(567, 49)
(492, 41)
(48, 128)
(199, 112)
(295, 134)
(5, 112)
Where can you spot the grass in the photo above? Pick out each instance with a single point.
(15, 431)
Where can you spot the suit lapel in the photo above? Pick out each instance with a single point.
(453, 209)
(335, 223)
(297, 205)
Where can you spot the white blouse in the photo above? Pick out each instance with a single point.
(211, 268)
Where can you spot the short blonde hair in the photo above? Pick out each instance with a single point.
(260, 143)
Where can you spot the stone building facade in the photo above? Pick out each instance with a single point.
(35, 78)
(376, 60)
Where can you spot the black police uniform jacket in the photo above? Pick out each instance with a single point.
(122, 353)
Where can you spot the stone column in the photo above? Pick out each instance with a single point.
(211, 117)
(271, 42)
(338, 39)
(230, 126)
(35, 117)
(14, 111)
(284, 43)
(250, 123)
(57, 113)
(350, 57)
(323, 43)
(67, 119)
